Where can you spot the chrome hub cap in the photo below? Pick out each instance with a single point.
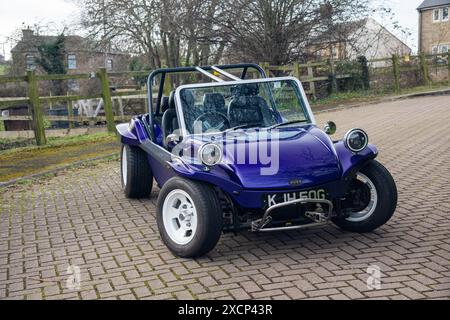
(179, 217)
(366, 212)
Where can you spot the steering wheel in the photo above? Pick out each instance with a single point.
(212, 121)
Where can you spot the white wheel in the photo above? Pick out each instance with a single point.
(371, 196)
(370, 201)
(189, 217)
(124, 166)
(179, 217)
(135, 171)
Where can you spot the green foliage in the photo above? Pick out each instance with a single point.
(51, 56)
(137, 65)
(3, 69)
(359, 75)
(47, 124)
(396, 72)
(51, 60)
(7, 143)
(365, 75)
(29, 145)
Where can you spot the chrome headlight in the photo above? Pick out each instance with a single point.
(356, 140)
(210, 154)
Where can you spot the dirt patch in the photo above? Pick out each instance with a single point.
(34, 161)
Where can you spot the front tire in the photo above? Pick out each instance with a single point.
(375, 188)
(189, 217)
(136, 174)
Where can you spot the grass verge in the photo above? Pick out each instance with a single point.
(59, 152)
(9, 146)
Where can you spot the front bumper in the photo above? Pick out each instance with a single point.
(317, 217)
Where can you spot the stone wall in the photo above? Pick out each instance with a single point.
(433, 33)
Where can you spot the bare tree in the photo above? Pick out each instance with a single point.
(267, 30)
(167, 32)
(185, 32)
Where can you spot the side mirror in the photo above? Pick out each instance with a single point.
(330, 128)
(172, 139)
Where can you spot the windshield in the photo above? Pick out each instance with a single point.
(237, 106)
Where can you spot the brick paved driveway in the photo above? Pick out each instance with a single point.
(82, 218)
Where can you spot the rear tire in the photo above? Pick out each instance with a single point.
(135, 171)
(383, 201)
(189, 217)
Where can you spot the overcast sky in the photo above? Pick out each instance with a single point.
(15, 13)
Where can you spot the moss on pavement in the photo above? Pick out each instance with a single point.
(60, 152)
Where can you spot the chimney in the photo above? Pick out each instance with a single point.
(27, 34)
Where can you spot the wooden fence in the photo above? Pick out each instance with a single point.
(307, 73)
(394, 67)
(311, 73)
(34, 101)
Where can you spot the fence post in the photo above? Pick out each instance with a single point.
(36, 111)
(448, 67)
(265, 67)
(312, 85)
(396, 72)
(424, 69)
(70, 113)
(297, 70)
(107, 100)
(365, 74)
(334, 84)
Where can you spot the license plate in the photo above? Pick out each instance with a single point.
(278, 198)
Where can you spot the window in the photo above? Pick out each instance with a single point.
(30, 62)
(443, 48)
(71, 61)
(109, 64)
(445, 14)
(436, 15)
(434, 50)
(440, 14)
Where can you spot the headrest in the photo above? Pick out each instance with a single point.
(214, 100)
(164, 104)
(172, 100)
(187, 98)
(249, 89)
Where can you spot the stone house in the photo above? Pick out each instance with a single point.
(81, 56)
(434, 26)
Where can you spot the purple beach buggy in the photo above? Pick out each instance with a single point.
(243, 152)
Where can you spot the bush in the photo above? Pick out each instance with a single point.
(359, 75)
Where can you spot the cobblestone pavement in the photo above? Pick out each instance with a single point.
(81, 218)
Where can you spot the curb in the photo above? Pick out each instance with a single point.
(440, 92)
(59, 169)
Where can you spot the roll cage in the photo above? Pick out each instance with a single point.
(205, 70)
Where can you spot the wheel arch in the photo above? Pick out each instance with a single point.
(351, 162)
(134, 132)
(213, 178)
